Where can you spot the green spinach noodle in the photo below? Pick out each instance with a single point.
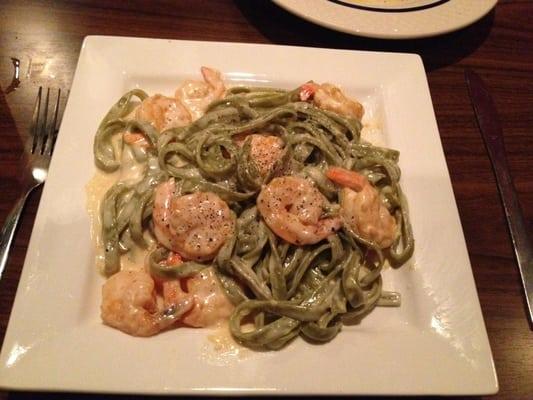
(280, 289)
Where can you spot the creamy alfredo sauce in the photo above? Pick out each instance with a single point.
(95, 191)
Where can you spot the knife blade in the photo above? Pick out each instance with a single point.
(491, 132)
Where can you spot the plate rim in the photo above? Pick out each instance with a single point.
(377, 34)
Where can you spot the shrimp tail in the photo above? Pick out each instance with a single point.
(347, 178)
(213, 79)
(308, 90)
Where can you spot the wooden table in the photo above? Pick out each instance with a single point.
(499, 47)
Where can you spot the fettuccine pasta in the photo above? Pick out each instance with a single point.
(270, 195)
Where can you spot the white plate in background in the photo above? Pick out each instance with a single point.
(390, 19)
(434, 344)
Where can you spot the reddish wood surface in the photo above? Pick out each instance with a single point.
(499, 47)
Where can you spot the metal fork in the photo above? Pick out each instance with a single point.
(35, 161)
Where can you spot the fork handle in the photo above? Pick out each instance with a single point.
(8, 230)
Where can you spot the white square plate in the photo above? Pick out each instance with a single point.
(435, 343)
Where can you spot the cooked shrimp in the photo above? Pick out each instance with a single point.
(195, 225)
(292, 207)
(210, 303)
(129, 304)
(265, 150)
(362, 209)
(135, 138)
(163, 112)
(329, 97)
(196, 95)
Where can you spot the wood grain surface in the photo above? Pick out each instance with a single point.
(499, 47)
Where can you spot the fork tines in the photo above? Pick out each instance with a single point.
(44, 124)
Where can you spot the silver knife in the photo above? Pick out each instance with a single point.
(491, 131)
